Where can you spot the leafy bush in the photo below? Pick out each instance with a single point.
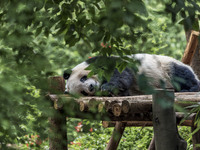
(134, 138)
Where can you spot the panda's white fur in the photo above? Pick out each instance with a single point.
(155, 67)
(158, 67)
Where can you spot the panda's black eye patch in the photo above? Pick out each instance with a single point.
(83, 79)
(67, 74)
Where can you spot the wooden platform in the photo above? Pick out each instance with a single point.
(135, 109)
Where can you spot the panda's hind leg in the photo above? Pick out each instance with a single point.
(185, 77)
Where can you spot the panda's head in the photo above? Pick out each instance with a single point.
(78, 81)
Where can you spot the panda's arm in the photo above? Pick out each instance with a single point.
(119, 84)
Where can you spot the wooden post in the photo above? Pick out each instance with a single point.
(58, 129)
(164, 122)
(196, 136)
(116, 136)
(152, 144)
(194, 63)
(190, 48)
(194, 50)
(192, 38)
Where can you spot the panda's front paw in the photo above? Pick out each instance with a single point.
(109, 89)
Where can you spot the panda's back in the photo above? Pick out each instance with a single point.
(156, 67)
(154, 61)
(164, 68)
(154, 58)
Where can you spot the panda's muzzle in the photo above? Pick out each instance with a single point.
(90, 91)
(84, 93)
(91, 87)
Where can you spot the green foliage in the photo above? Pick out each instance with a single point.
(104, 66)
(134, 138)
(85, 134)
(31, 142)
(187, 11)
(40, 38)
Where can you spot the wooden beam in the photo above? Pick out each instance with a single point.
(180, 98)
(142, 123)
(190, 48)
(116, 136)
(196, 33)
(152, 144)
(107, 124)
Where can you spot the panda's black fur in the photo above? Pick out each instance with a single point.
(190, 83)
(121, 82)
(154, 67)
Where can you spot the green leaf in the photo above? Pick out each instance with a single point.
(38, 31)
(137, 6)
(57, 1)
(46, 32)
(106, 38)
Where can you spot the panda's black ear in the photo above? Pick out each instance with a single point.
(67, 74)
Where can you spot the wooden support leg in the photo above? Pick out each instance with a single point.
(116, 136)
(152, 144)
(58, 132)
(196, 136)
(164, 122)
(57, 122)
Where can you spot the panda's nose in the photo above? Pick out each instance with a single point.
(91, 87)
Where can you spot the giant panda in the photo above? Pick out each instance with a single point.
(160, 72)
